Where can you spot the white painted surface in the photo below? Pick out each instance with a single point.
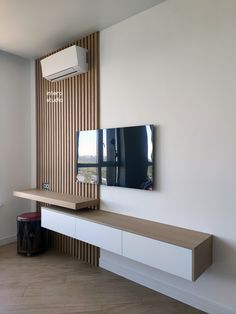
(43, 26)
(174, 66)
(156, 280)
(99, 235)
(68, 62)
(8, 240)
(164, 256)
(59, 222)
(15, 139)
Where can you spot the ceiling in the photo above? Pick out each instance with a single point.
(33, 28)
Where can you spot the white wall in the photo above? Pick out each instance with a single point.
(175, 66)
(15, 140)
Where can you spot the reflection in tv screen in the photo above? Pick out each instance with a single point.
(117, 157)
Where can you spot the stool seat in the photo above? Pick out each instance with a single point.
(30, 235)
(36, 216)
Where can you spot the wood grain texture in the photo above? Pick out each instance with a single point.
(57, 123)
(199, 243)
(182, 237)
(58, 199)
(202, 257)
(53, 283)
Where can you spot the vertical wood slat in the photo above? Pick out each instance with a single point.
(56, 125)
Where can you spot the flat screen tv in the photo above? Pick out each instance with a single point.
(117, 157)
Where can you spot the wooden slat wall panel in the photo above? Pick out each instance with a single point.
(57, 124)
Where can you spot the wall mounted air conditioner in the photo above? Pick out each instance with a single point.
(65, 63)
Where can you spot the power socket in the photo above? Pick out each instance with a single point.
(45, 186)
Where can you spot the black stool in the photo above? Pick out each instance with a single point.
(30, 235)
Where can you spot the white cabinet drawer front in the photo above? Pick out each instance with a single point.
(164, 256)
(58, 222)
(99, 235)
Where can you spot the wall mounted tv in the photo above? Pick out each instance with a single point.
(117, 157)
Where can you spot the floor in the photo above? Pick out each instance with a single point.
(57, 284)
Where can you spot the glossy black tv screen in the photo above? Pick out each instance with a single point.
(117, 157)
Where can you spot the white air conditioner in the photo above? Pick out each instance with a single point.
(65, 63)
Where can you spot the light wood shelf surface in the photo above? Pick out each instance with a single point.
(167, 233)
(59, 199)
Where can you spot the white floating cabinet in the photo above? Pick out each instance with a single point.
(164, 256)
(99, 235)
(181, 252)
(58, 222)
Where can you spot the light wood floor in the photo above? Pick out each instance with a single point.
(57, 284)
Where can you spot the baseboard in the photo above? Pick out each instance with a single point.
(108, 262)
(7, 240)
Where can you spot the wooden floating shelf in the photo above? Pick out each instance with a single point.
(185, 238)
(59, 199)
(183, 252)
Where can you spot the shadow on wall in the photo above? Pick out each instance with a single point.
(224, 252)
